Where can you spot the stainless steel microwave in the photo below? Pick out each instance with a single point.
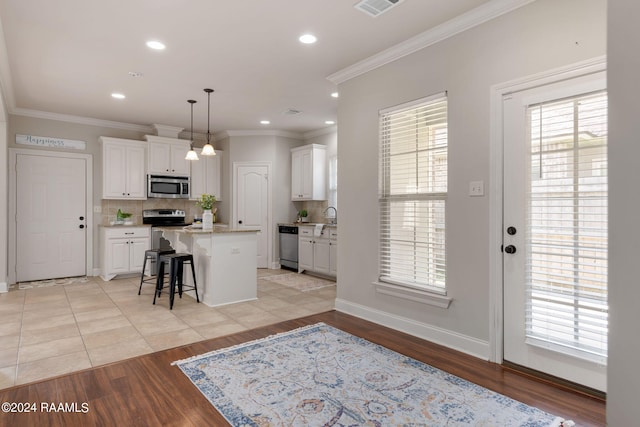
(168, 187)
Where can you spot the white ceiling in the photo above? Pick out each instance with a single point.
(65, 57)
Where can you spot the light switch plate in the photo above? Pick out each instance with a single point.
(476, 188)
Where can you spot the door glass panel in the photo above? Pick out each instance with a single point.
(566, 269)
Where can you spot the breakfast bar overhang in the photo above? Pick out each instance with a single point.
(225, 261)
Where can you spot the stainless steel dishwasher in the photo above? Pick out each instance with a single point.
(288, 246)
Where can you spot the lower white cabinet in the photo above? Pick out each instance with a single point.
(318, 253)
(123, 249)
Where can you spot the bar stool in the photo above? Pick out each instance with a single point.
(176, 263)
(151, 254)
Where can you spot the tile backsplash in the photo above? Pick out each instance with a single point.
(135, 208)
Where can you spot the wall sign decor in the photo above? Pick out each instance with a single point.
(46, 141)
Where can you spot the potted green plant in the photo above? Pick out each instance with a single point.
(206, 202)
(304, 215)
(122, 217)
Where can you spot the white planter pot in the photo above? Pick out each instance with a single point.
(207, 220)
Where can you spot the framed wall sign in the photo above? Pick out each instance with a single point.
(47, 141)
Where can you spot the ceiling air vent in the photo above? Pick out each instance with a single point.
(376, 7)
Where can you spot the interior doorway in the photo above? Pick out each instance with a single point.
(252, 205)
(51, 227)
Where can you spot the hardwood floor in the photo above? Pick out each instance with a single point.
(148, 391)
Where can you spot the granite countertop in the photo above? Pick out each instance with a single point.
(216, 230)
(124, 225)
(308, 224)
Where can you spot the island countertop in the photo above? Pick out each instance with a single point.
(222, 230)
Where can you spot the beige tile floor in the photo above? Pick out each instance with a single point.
(49, 331)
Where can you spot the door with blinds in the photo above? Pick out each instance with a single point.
(555, 230)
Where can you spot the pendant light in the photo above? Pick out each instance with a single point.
(208, 150)
(191, 155)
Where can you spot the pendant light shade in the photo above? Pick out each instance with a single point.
(208, 150)
(191, 155)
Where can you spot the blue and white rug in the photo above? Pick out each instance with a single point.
(322, 376)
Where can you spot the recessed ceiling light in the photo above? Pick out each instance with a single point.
(264, 122)
(308, 38)
(154, 44)
(335, 94)
(329, 122)
(135, 74)
(118, 96)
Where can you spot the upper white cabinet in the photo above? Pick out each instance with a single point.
(205, 176)
(123, 169)
(167, 156)
(309, 172)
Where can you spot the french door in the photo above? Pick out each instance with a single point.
(555, 229)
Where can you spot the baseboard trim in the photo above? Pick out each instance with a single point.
(453, 340)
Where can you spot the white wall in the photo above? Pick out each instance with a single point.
(275, 149)
(4, 240)
(623, 65)
(89, 134)
(541, 36)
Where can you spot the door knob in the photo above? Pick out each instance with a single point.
(81, 226)
(511, 231)
(81, 218)
(510, 249)
(240, 222)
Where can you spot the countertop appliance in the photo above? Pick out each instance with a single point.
(288, 246)
(162, 218)
(168, 187)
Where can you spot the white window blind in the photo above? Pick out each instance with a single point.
(567, 224)
(413, 193)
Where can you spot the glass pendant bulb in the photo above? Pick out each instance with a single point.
(191, 154)
(208, 150)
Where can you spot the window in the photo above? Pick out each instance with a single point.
(413, 193)
(567, 214)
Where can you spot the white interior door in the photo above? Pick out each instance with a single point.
(252, 205)
(51, 232)
(555, 229)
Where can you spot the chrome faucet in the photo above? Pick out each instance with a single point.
(333, 220)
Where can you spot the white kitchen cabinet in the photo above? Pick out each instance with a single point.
(123, 250)
(124, 173)
(309, 172)
(167, 156)
(318, 253)
(333, 252)
(205, 176)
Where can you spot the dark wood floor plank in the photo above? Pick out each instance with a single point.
(149, 391)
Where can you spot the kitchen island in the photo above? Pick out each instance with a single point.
(225, 261)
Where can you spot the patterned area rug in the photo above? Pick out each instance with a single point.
(321, 376)
(52, 282)
(301, 282)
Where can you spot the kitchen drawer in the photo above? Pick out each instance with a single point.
(305, 231)
(127, 231)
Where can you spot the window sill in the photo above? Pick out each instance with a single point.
(417, 295)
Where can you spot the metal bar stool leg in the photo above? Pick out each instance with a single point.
(195, 287)
(172, 287)
(159, 281)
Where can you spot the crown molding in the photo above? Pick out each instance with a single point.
(457, 25)
(319, 132)
(280, 133)
(81, 120)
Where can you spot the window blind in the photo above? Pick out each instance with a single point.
(413, 192)
(567, 236)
